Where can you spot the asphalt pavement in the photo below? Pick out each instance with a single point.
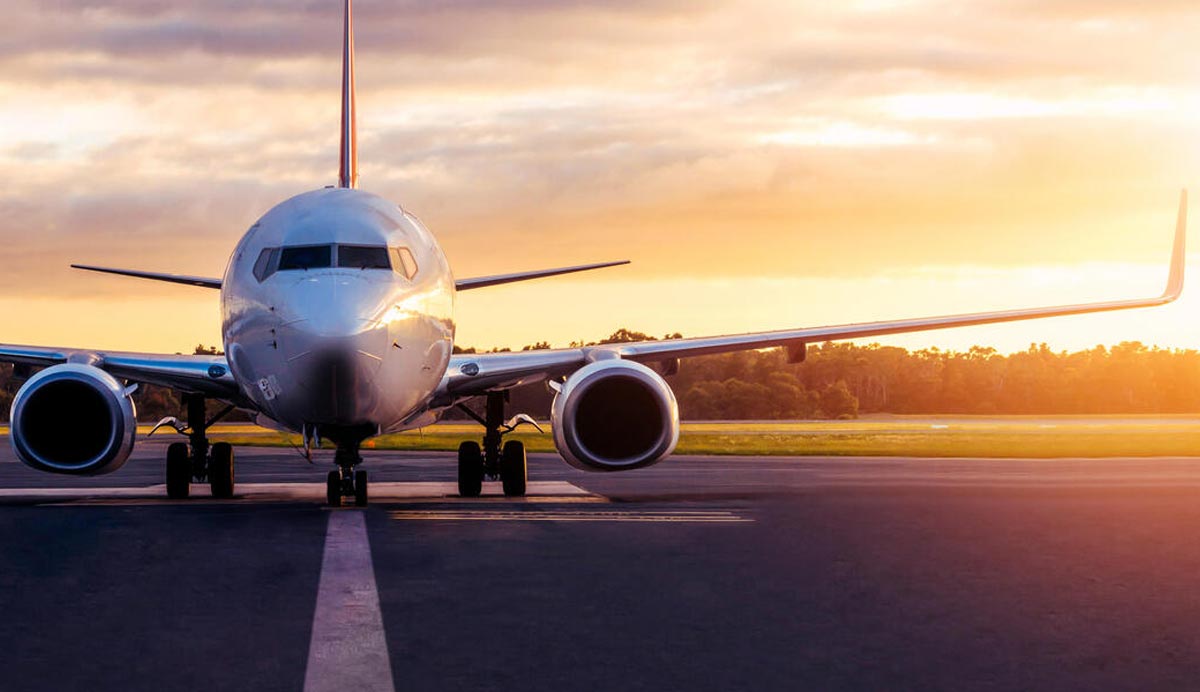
(721, 573)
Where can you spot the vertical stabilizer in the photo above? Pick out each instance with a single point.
(348, 170)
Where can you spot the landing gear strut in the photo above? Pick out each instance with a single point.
(196, 459)
(345, 481)
(496, 459)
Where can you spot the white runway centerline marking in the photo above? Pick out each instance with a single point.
(349, 648)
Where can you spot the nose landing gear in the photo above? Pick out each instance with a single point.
(345, 482)
(496, 459)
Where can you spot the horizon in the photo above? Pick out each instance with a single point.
(766, 164)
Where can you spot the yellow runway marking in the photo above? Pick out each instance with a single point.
(502, 500)
(681, 517)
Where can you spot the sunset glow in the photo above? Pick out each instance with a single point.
(765, 164)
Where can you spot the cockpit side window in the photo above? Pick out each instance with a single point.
(267, 264)
(404, 262)
(363, 257)
(306, 257)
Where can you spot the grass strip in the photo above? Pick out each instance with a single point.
(1033, 444)
(1029, 437)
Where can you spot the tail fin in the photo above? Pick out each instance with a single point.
(348, 170)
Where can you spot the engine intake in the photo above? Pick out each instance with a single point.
(615, 415)
(73, 419)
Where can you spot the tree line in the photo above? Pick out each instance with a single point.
(844, 380)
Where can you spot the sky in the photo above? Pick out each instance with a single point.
(765, 163)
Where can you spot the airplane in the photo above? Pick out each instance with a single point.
(337, 311)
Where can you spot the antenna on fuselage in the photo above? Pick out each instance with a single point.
(348, 169)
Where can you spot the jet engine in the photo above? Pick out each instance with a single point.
(73, 419)
(615, 415)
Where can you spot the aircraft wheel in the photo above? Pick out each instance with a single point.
(220, 470)
(513, 468)
(179, 471)
(470, 469)
(360, 488)
(333, 488)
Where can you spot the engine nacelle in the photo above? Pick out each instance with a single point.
(615, 415)
(74, 419)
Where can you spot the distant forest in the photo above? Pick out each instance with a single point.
(843, 380)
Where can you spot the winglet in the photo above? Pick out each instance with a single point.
(348, 167)
(1179, 253)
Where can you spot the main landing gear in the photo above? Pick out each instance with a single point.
(345, 482)
(496, 459)
(196, 459)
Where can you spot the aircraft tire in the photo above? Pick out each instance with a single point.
(360, 488)
(220, 470)
(513, 469)
(179, 471)
(470, 469)
(333, 489)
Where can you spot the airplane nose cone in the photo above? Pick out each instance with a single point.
(334, 346)
(336, 375)
(339, 387)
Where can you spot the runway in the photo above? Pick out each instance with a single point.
(698, 574)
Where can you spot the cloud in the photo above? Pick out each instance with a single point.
(766, 137)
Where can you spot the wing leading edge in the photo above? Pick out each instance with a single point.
(484, 281)
(200, 281)
(208, 375)
(475, 374)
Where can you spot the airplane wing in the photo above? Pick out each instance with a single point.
(208, 375)
(474, 374)
(484, 281)
(461, 285)
(200, 281)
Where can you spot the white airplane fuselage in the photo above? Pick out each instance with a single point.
(338, 351)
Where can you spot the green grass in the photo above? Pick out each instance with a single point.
(1074, 436)
(957, 436)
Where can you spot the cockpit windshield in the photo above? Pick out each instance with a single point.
(363, 257)
(306, 257)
